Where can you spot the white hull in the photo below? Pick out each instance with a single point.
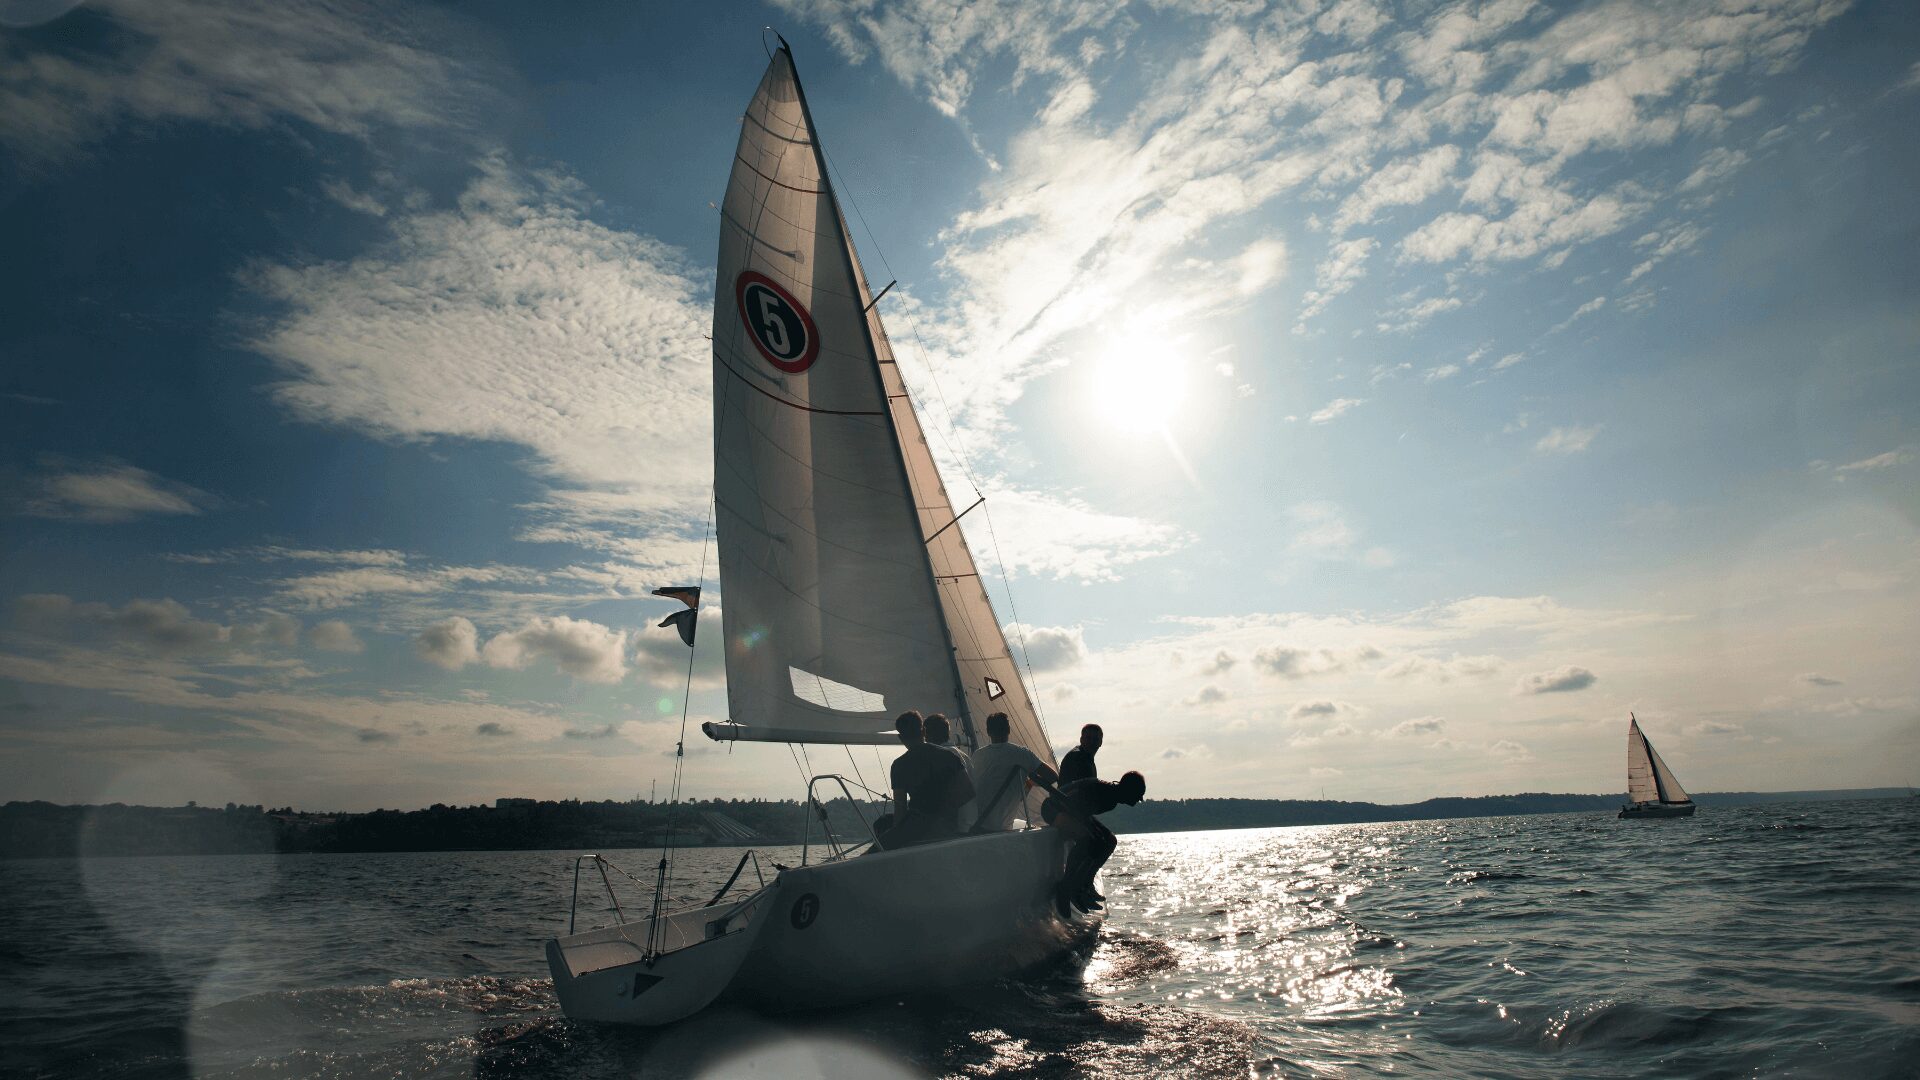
(603, 974)
(951, 913)
(1656, 810)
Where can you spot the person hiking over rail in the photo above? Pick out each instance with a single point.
(1093, 842)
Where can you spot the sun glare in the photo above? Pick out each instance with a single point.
(1138, 386)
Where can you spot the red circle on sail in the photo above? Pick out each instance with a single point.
(780, 327)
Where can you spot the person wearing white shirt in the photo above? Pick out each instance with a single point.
(1000, 770)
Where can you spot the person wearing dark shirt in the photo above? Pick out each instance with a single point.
(1076, 765)
(1093, 842)
(929, 785)
(939, 733)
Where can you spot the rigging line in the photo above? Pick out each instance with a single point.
(966, 466)
(686, 703)
(857, 774)
(1019, 626)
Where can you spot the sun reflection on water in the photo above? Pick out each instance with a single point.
(1245, 922)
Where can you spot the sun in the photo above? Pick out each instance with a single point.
(1138, 385)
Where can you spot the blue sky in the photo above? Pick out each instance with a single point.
(1383, 398)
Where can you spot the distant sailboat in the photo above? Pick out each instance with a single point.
(850, 596)
(1652, 790)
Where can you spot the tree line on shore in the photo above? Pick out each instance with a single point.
(44, 829)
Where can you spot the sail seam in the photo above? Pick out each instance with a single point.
(777, 183)
(819, 539)
(795, 404)
(757, 122)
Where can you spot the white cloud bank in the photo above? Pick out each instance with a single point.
(345, 69)
(577, 647)
(112, 494)
(1561, 680)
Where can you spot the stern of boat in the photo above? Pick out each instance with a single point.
(656, 971)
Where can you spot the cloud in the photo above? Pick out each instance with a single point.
(1508, 361)
(1659, 246)
(1579, 313)
(1208, 695)
(1715, 165)
(1814, 678)
(1510, 751)
(1407, 319)
(1339, 272)
(580, 648)
(1334, 409)
(1061, 537)
(344, 193)
(1154, 151)
(346, 70)
(1321, 527)
(111, 494)
(1222, 662)
(375, 735)
(1435, 670)
(341, 588)
(492, 729)
(451, 643)
(1050, 648)
(1444, 371)
(1715, 727)
(605, 732)
(1566, 440)
(511, 317)
(1198, 752)
(1290, 663)
(334, 635)
(1405, 182)
(1307, 710)
(1560, 680)
(162, 627)
(270, 553)
(1418, 726)
(1898, 456)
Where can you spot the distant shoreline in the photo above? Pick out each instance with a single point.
(49, 830)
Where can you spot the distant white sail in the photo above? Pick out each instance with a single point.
(1648, 778)
(831, 616)
(1640, 786)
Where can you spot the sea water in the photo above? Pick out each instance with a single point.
(1777, 940)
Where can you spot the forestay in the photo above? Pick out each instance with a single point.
(847, 596)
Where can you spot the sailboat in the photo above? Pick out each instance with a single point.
(1652, 790)
(850, 596)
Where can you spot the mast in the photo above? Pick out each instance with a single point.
(899, 457)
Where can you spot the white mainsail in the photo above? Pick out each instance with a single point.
(848, 590)
(1648, 778)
